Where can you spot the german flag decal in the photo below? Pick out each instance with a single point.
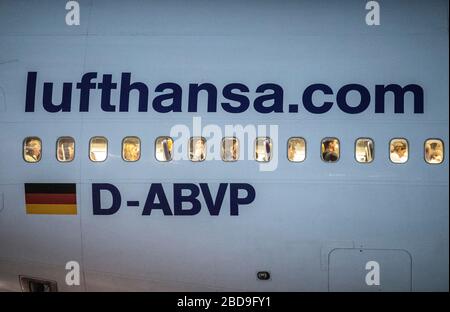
(51, 198)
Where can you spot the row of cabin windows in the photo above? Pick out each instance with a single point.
(296, 149)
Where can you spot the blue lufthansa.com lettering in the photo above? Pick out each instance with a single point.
(157, 199)
(168, 96)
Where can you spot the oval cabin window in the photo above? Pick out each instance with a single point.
(32, 149)
(98, 149)
(65, 149)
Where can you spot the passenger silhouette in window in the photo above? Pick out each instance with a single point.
(263, 149)
(399, 151)
(434, 151)
(197, 149)
(330, 150)
(296, 149)
(32, 150)
(131, 149)
(230, 149)
(66, 149)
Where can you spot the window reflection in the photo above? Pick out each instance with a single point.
(263, 149)
(164, 148)
(296, 149)
(364, 150)
(98, 149)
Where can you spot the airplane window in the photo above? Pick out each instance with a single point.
(65, 149)
(131, 149)
(296, 149)
(364, 150)
(230, 149)
(434, 151)
(263, 149)
(32, 148)
(163, 148)
(399, 151)
(197, 149)
(98, 149)
(330, 150)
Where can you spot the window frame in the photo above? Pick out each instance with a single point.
(107, 149)
(320, 149)
(373, 154)
(189, 148)
(23, 149)
(425, 153)
(122, 151)
(171, 156)
(57, 148)
(254, 147)
(287, 149)
(389, 150)
(238, 152)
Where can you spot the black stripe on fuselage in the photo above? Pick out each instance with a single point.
(50, 188)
